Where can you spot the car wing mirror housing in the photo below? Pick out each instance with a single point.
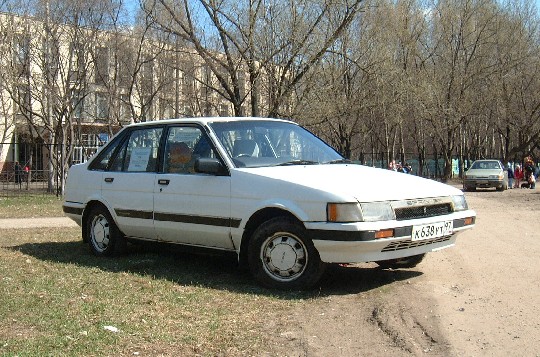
(211, 166)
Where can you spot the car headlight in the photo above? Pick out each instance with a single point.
(460, 203)
(343, 212)
(359, 212)
(495, 177)
(377, 211)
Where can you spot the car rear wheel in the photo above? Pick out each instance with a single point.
(103, 235)
(281, 256)
(407, 262)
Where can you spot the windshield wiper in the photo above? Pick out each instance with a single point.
(338, 161)
(298, 162)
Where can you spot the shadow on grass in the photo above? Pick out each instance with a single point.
(216, 271)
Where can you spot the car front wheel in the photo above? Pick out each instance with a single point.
(103, 234)
(282, 257)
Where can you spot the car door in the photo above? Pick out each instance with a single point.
(189, 207)
(128, 184)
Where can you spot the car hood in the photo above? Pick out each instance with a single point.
(351, 181)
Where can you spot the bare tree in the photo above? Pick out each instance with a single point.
(48, 78)
(232, 39)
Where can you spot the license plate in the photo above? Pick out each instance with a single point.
(432, 230)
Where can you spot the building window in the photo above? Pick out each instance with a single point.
(147, 74)
(166, 108)
(77, 104)
(21, 55)
(125, 68)
(22, 49)
(102, 65)
(223, 110)
(102, 106)
(125, 109)
(188, 110)
(77, 65)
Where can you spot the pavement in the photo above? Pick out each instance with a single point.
(41, 222)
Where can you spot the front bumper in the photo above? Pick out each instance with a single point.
(356, 243)
(483, 183)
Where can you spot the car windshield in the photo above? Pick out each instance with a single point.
(257, 143)
(485, 165)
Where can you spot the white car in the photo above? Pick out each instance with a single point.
(486, 174)
(267, 189)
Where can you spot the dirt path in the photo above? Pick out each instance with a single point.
(41, 222)
(479, 298)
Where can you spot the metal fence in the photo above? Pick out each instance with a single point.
(39, 180)
(432, 166)
(32, 183)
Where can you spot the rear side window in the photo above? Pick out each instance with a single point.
(101, 162)
(138, 153)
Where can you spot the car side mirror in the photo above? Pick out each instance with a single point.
(210, 166)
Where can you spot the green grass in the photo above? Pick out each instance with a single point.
(30, 206)
(56, 299)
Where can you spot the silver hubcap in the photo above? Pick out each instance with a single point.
(100, 232)
(284, 256)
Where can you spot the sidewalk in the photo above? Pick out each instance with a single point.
(42, 222)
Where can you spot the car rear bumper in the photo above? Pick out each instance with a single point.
(74, 210)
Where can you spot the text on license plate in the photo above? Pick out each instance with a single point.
(432, 230)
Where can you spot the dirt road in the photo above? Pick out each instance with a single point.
(479, 298)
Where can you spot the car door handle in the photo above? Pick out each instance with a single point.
(109, 179)
(163, 182)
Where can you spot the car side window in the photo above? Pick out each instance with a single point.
(101, 162)
(139, 153)
(142, 150)
(184, 145)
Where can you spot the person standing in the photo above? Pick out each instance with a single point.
(528, 172)
(518, 176)
(510, 176)
(27, 174)
(18, 174)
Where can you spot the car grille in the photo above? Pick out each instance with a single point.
(405, 213)
(412, 244)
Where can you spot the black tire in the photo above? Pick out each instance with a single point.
(404, 263)
(103, 235)
(281, 256)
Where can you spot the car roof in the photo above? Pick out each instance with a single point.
(487, 160)
(206, 120)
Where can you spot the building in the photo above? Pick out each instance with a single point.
(67, 89)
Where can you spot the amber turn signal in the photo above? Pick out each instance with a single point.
(385, 233)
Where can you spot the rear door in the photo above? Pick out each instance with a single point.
(128, 184)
